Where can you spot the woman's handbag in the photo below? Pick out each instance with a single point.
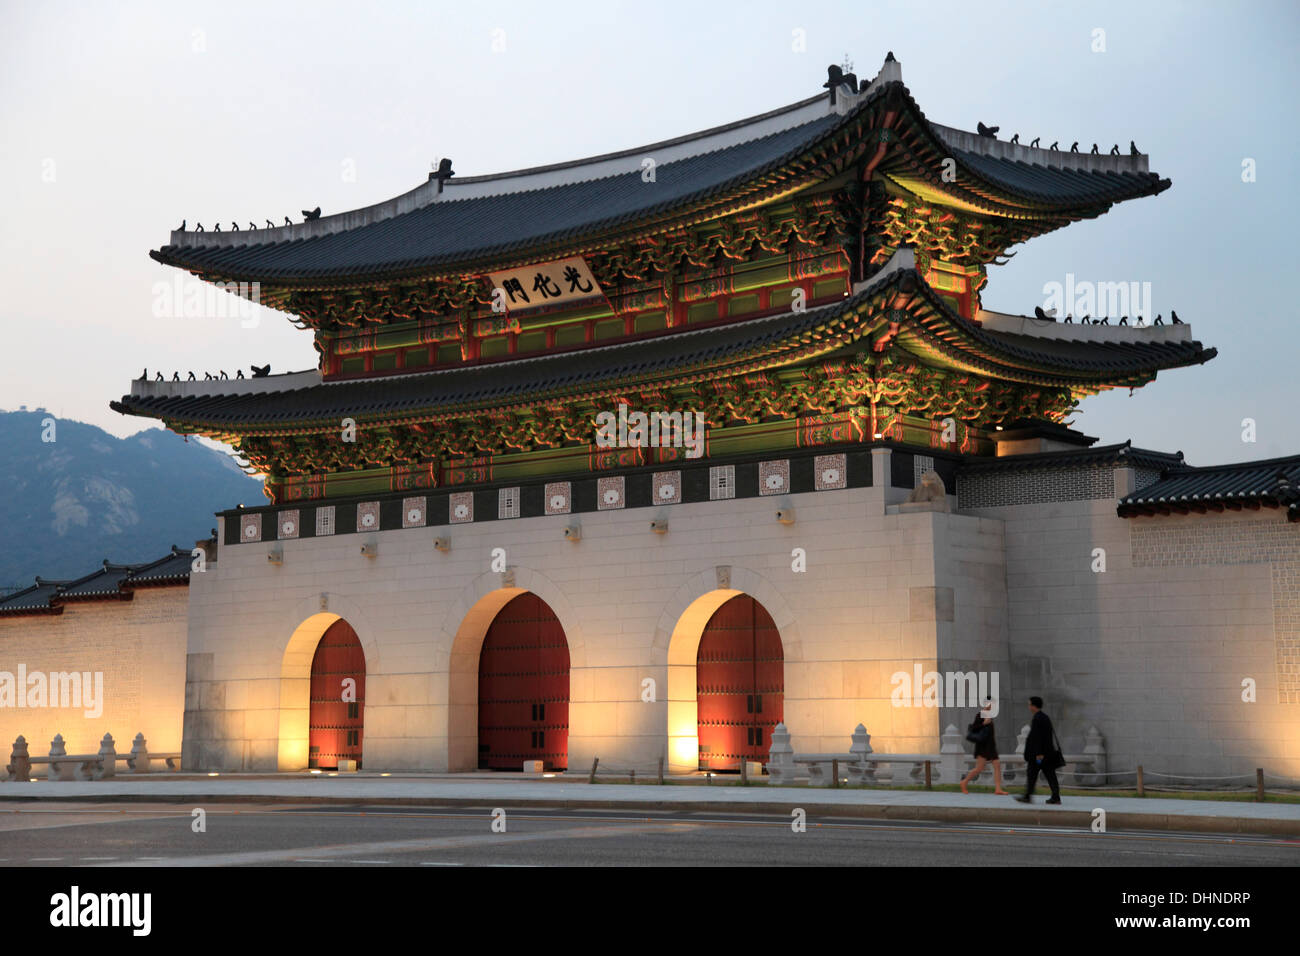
(978, 736)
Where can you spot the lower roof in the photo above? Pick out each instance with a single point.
(1182, 489)
(926, 326)
(110, 582)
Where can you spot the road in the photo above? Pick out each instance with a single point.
(134, 834)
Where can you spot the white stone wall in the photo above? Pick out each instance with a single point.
(847, 624)
(1154, 649)
(138, 646)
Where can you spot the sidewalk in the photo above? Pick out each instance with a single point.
(472, 790)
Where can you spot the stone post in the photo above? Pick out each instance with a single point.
(780, 765)
(952, 755)
(860, 771)
(107, 759)
(60, 770)
(139, 761)
(20, 762)
(1091, 772)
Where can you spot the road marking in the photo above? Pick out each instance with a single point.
(377, 862)
(45, 859)
(429, 863)
(345, 853)
(87, 859)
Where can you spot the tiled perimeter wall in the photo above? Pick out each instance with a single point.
(1219, 540)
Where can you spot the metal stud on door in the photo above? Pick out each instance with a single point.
(740, 684)
(523, 688)
(335, 725)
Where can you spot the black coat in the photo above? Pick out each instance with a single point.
(1041, 739)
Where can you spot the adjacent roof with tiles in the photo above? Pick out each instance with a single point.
(468, 224)
(1182, 489)
(110, 582)
(1125, 455)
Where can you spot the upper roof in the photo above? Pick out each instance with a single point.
(466, 224)
(110, 582)
(896, 303)
(1182, 489)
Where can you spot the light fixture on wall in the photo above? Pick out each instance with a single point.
(785, 516)
(275, 556)
(442, 544)
(573, 532)
(659, 526)
(370, 548)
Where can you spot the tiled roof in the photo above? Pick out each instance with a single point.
(435, 231)
(1273, 483)
(668, 357)
(36, 599)
(110, 582)
(1124, 454)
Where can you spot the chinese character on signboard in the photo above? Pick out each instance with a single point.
(547, 283)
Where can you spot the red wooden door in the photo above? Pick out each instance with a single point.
(739, 684)
(523, 688)
(336, 724)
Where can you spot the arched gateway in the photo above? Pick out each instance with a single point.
(338, 698)
(523, 688)
(740, 684)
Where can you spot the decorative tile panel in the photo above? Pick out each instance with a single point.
(666, 487)
(324, 521)
(250, 528)
(830, 472)
(286, 525)
(722, 482)
(415, 512)
(508, 503)
(559, 498)
(774, 477)
(610, 494)
(461, 507)
(368, 516)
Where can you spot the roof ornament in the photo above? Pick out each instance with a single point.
(1159, 319)
(1044, 316)
(1055, 143)
(288, 221)
(309, 216)
(834, 80)
(270, 224)
(182, 226)
(1074, 147)
(443, 173)
(1093, 151)
(191, 378)
(1114, 150)
(234, 227)
(1177, 320)
(1016, 139)
(176, 376)
(1123, 320)
(889, 57)
(1034, 144)
(252, 226)
(1085, 320)
(1133, 149)
(159, 377)
(144, 376)
(217, 227)
(990, 131)
(198, 227)
(260, 371)
(1069, 318)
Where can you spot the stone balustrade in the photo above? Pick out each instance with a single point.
(860, 765)
(61, 765)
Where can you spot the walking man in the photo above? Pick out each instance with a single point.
(1041, 753)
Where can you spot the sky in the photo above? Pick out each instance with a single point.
(121, 119)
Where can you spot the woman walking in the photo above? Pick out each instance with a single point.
(982, 735)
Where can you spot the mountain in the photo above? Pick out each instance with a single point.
(86, 496)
